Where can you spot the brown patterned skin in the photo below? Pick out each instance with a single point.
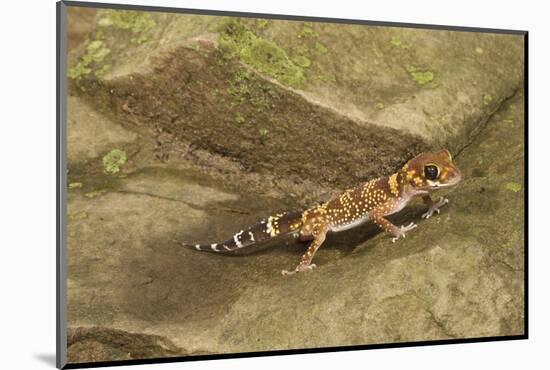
(372, 200)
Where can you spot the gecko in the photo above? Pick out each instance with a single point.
(369, 201)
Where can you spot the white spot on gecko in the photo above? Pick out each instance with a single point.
(236, 239)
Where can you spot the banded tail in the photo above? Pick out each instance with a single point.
(278, 225)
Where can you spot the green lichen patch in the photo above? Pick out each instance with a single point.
(245, 87)
(422, 77)
(79, 215)
(239, 86)
(513, 186)
(236, 40)
(308, 31)
(302, 61)
(113, 160)
(320, 47)
(94, 54)
(487, 99)
(395, 41)
(95, 193)
(239, 118)
(262, 23)
(137, 23)
(134, 21)
(75, 185)
(263, 135)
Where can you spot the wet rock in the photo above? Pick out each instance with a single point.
(91, 134)
(440, 85)
(458, 275)
(95, 344)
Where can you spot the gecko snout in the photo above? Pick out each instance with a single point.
(454, 176)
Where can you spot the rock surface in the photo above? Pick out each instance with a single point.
(100, 344)
(199, 168)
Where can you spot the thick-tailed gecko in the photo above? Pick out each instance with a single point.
(369, 201)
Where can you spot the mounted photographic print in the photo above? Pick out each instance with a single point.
(234, 184)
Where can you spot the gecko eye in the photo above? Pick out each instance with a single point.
(431, 172)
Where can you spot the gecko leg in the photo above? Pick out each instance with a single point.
(433, 206)
(403, 230)
(305, 263)
(397, 232)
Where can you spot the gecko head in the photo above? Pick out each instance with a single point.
(431, 171)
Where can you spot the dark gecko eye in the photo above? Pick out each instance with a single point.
(431, 172)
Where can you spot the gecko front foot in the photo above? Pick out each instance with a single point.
(435, 207)
(300, 268)
(403, 230)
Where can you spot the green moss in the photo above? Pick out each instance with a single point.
(236, 40)
(78, 71)
(513, 186)
(239, 118)
(136, 22)
(321, 48)
(395, 41)
(94, 54)
(326, 78)
(80, 215)
(308, 30)
(75, 185)
(139, 39)
(95, 193)
(260, 101)
(262, 23)
(101, 71)
(238, 86)
(113, 160)
(302, 61)
(422, 78)
(245, 87)
(271, 59)
(487, 99)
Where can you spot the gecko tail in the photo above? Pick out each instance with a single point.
(272, 227)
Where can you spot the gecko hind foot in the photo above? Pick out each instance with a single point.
(299, 269)
(435, 207)
(403, 230)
